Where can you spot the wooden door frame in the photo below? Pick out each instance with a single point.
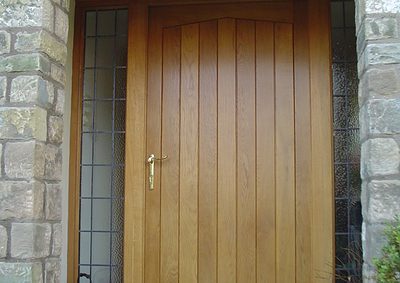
(315, 14)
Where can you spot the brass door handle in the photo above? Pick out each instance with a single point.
(151, 160)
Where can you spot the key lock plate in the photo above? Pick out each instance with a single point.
(151, 161)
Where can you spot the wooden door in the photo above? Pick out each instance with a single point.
(229, 102)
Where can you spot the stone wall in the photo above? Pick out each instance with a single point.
(33, 53)
(378, 44)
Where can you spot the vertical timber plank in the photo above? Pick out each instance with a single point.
(246, 160)
(135, 170)
(170, 145)
(265, 121)
(152, 198)
(285, 171)
(226, 151)
(303, 145)
(322, 229)
(208, 153)
(188, 227)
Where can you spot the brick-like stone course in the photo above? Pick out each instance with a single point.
(33, 54)
(378, 46)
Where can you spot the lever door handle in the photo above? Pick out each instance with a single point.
(151, 160)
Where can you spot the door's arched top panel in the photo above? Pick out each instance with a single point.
(167, 16)
(216, 21)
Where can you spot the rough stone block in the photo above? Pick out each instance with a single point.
(53, 201)
(31, 89)
(3, 242)
(30, 240)
(58, 73)
(53, 166)
(57, 239)
(5, 42)
(66, 4)
(382, 6)
(369, 275)
(52, 270)
(383, 81)
(55, 129)
(382, 53)
(380, 28)
(21, 200)
(60, 102)
(21, 272)
(381, 116)
(24, 160)
(61, 24)
(25, 13)
(379, 157)
(23, 123)
(3, 89)
(373, 240)
(384, 201)
(41, 41)
(25, 63)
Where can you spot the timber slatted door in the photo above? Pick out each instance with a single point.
(233, 200)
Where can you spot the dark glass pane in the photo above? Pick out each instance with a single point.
(84, 248)
(88, 84)
(90, 24)
(337, 14)
(104, 83)
(103, 146)
(338, 45)
(339, 81)
(106, 22)
(101, 248)
(119, 119)
(341, 181)
(101, 214)
(341, 216)
(90, 52)
(102, 149)
(102, 181)
(340, 142)
(120, 83)
(122, 19)
(342, 242)
(121, 50)
(118, 214)
(105, 51)
(339, 112)
(103, 116)
(346, 142)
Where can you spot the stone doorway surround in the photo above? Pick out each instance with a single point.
(33, 82)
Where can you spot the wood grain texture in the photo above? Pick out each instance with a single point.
(246, 149)
(170, 183)
(265, 127)
(285, 161)
(184, 14)
(322, 229)
(135, 144)
(75, 148)
(189, 152)
(227, 151)
(153, 198)
(207, 272)
(303, 145)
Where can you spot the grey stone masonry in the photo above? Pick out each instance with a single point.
(378, 46)
(33, 54)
